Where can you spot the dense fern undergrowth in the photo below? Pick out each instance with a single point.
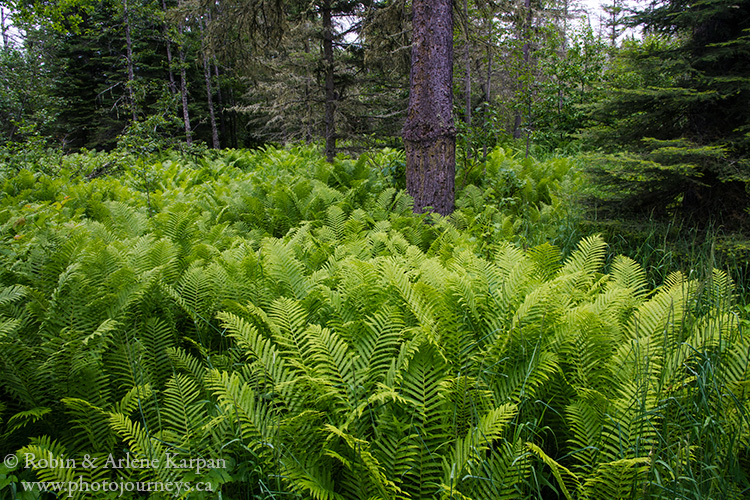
(294, 325)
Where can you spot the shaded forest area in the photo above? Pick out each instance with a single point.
(657, 95)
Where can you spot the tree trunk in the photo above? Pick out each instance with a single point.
(211, 113)
(209, 92)
(6, 40)
(429, 133)
(330, 100)
(487, 92)
(129, 56)
(220, 102)
(168, 41)
(184, 91)
(467, 63)
(525, 80)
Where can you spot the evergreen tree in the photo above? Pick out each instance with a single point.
(680, 109)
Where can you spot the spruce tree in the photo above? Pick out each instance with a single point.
(680, 112)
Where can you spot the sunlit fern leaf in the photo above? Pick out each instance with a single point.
(90, 429)
(630, 423)
(157, 337)
(333, 364)
(546, 259)
(470, 450)
(182, 411)
(11, 294)
(142, 446)
(586, 342)
(364, 476)
(124, 220)
(384, 203)
(718, 290)
(501, 475)
(734, 370)
(51, 462)
(312, 481)
(183, 361)
(377, 346)
(288, 320)
(616, 479)
(336, 219)
(587, 259)
(133, 400)
(568, 481)
(180, 225)
(664, 313)
(8, 328)
(269, 364)
(396, 275)
(284, 270)
(27, 417)
(628, 274)
(585, 418)
(468, 399)
(249, 414)
(540, 310)
(514, 378)
(423, 447)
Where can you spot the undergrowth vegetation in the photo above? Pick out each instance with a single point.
(293, 324)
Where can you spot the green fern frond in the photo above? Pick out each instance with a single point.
(267, 359)
(628, 274)
(586, 260)
(182, 410)
(566, 480)
(284, 270)
(617, 479)
(546, 259)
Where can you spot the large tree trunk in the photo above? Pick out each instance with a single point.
(330, 103)
(429, 134)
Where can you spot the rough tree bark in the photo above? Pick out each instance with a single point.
(429, 133)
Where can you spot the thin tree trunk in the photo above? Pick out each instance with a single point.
(429, 133)
(209, 94)
(330, 90)
(220, 101)
(487, 91)
(165, 31)
(129, 56)
(6, 38)
(211, 112)
(184, 90)
(467, 63)
(526, 70)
